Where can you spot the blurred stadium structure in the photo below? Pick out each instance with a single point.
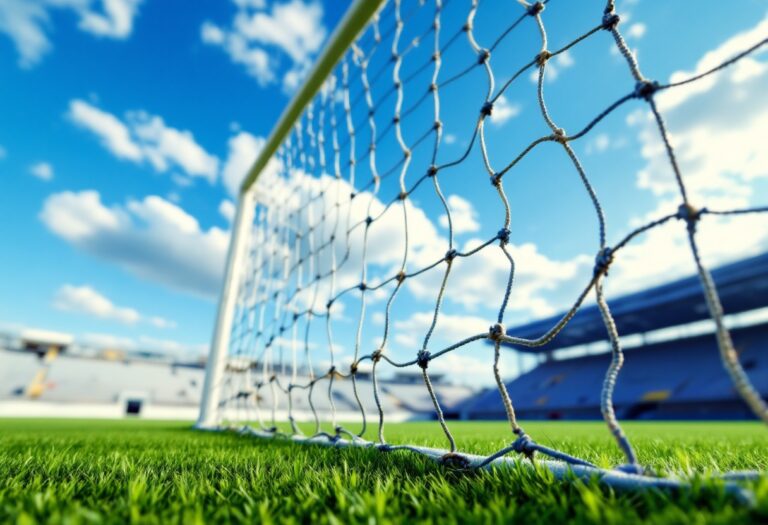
(675, 370)
(50, 374)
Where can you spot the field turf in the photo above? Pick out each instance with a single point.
(159, 472)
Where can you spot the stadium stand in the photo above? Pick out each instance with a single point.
(16, 370)
(88, 380)
(137, 383)
(681, 378)
(742, 286)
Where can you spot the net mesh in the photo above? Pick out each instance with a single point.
(340, 190)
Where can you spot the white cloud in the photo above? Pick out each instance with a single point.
(294, 29)
(227, 209)
(716, 129)
(470, 364)
(161, 322)
(255, 59)
(212, 34)
(410, 333)
(503, 110)
(717, 132)
(243, 150)
(86, 300)
(565, 59)
(22, 21)
(293, 78)
(42, 170)
(151, 238)
(602, 142)
(146, 138)
(115, 20)
(636, 30)
(27, 22)
(114, 135)
(744, 70)
(542, 285)
(386, 237)
(473, 365)
(164, 147)
(182, 181)
(463, 215)
(663, 254)
(79, 215)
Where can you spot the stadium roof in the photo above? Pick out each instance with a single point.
(742, 285)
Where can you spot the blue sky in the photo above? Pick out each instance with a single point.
(127, 124)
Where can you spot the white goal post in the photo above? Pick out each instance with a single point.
(349, 28)
(342, 166)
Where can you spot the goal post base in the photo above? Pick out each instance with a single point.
(562, 471)
(206, 427)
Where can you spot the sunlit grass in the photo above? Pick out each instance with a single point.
(160, 472)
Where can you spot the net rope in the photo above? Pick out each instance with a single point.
(291, 283)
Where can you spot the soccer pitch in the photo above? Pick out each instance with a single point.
(82, 471)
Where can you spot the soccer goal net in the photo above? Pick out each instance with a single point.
(336, 232)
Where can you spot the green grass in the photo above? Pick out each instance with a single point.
(159, 472)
